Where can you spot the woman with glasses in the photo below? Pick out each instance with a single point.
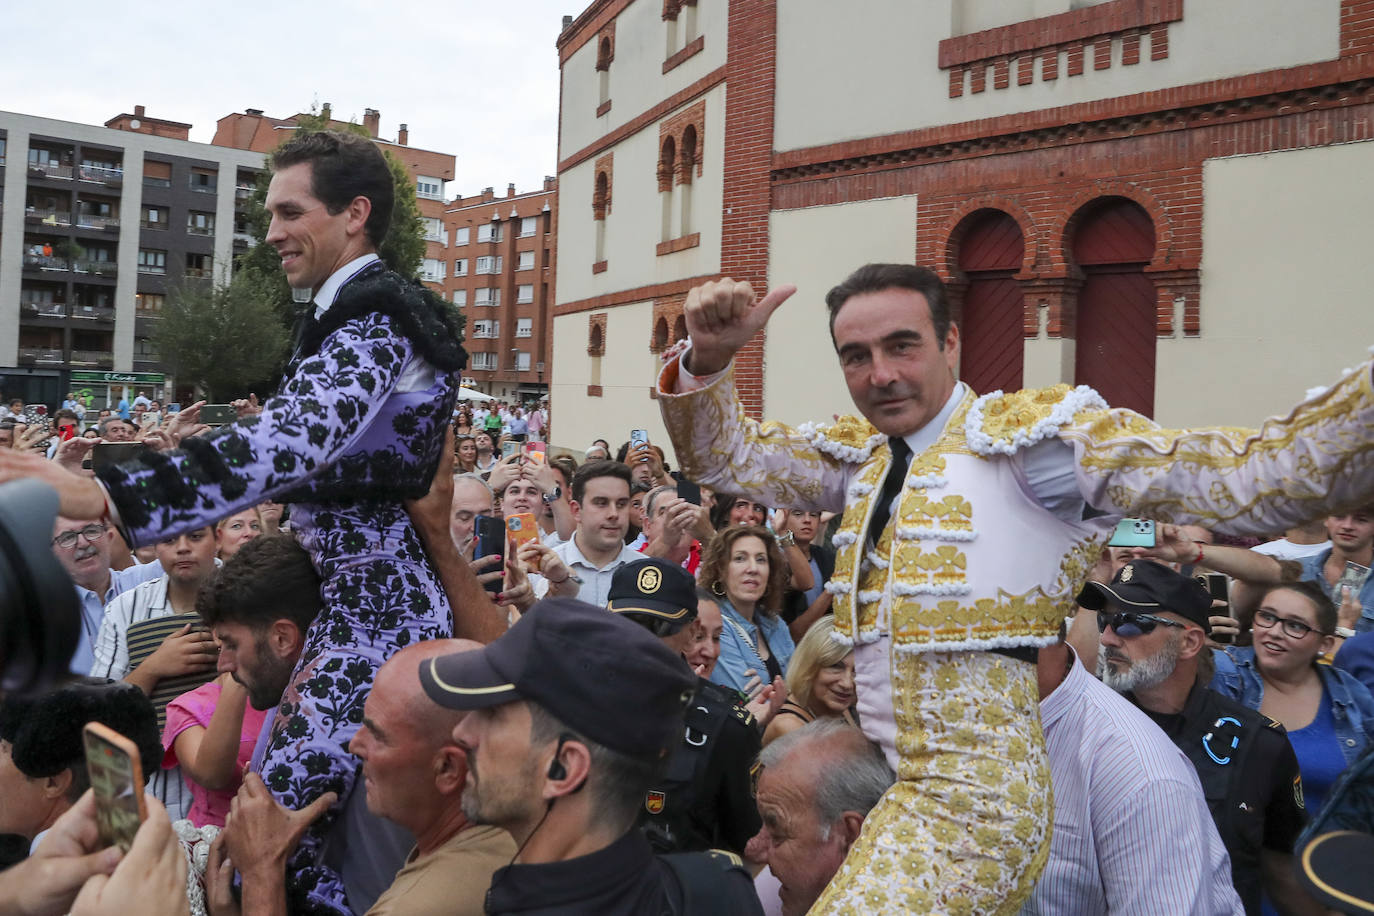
(1329, 715)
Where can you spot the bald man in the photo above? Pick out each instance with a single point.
(414, 776)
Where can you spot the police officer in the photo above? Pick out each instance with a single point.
(1154, 626)
(705, 799)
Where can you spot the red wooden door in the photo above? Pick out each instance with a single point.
(991, 323)
(1116, 307)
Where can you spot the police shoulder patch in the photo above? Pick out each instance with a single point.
(1297, 792)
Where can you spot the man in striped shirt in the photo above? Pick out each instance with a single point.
(152, 638)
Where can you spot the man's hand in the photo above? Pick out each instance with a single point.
(183, 652)
(184, 423)
(150, 880)
(430, 513)
(260, 834)
(504, 472)
(77, 496)
(1171, 546)
(71, 453)
(219, 881)
(246, 407)
(46, 883)
(535, 555)
(721, 318)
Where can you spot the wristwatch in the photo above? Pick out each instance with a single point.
(787, 540)
(1344, 632)
(553, 497)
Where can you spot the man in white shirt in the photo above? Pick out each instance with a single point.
(601, 506)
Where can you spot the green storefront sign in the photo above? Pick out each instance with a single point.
(119, 378)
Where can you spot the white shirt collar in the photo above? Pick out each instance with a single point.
(925, 437)
(329, 290)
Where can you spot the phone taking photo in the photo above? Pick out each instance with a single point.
(1133, 532)
(689, 491)
(639, 438)
(116, 774)
(491, 539)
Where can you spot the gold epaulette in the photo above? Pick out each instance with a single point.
(1000, 423)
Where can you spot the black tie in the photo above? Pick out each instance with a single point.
(901, 458)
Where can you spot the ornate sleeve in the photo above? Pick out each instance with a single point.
(1318, 458)
(320, 413)
(719, 445)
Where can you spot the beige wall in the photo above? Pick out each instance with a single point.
(628, 371)
(848, 66)
(802, 379)
(1286, 275)
(633, 227)
(636, 78)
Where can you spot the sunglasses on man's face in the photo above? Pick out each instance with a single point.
(1127, 624)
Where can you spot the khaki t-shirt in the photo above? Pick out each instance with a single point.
(450, 881)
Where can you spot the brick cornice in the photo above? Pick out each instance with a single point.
(587, 26)
(640, 121)
(1265, 94)
(1075, 25)
(626, 296)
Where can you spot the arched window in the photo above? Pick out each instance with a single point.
(679, 329)
(667, 163)
(685, 170)
(660, 335)
(992, 319)
(1113, 241)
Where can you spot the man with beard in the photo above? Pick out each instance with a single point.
(1154, 625)
(259, 607)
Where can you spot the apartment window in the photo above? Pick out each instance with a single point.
(199, 266)
(524, 293)
(2, 150)
(203, 180)
(144, 349)
(524, 327)
(489, 232)
(198, 223)
(152, 261)
(490, 264)
(522, 361)
(461, 235)
(157, 174)
(149, 305)
(432, 270)
(460, 267)
(487, 328)
(525, 261)
(487, 296)
(434, 229)
(484, 361)
(529, 226)
(429, 188)
(460, 297)
(153, 218)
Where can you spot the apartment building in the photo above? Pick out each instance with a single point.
(252, 130)
(501, 255)
(1166, 200)
(96, 223)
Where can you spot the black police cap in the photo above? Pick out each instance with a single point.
(654, 593)
(1144, 585)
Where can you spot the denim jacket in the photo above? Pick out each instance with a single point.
(738, 650)
(1352, 706)
(1313, 571)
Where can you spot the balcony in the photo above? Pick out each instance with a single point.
(204, 188)
(97, 268)
(156, 182)
(50, 171)
(98, 359)
(245, 239)
(199, 273)
(200, 230)
(157, 269)
(37, 308)
(93, 312)
(46, 262)
(243, 191)
(91, 221)
(47, 216)
(39, 356)
(109, 175)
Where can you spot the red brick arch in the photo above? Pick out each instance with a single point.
(1061, 257)
(960, 220)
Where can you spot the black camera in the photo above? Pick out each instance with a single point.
(40, 617)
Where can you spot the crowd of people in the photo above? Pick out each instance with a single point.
(891, 664)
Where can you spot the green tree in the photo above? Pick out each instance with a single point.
(226, 338)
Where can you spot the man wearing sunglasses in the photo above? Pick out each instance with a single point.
(1154, 626)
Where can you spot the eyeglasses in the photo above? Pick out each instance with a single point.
(67, 539)
(1128, 624)
(1265, 619)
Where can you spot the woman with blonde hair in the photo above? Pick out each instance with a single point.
(820, 682)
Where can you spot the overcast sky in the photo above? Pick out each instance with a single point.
(479, 80)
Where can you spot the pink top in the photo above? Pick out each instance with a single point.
(195, 708)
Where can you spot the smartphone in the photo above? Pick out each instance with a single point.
(509, 448)
(689, 491)
(108, 454)
(116, 775)
(218, 414)
(1218, 585)
(535, 452)
(491, 539)
(639, 438)
(1352, 578)
(1133, 532)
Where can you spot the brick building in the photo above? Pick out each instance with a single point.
(253, 130)
(501, 255)
(1133, 194)
(96, 223)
